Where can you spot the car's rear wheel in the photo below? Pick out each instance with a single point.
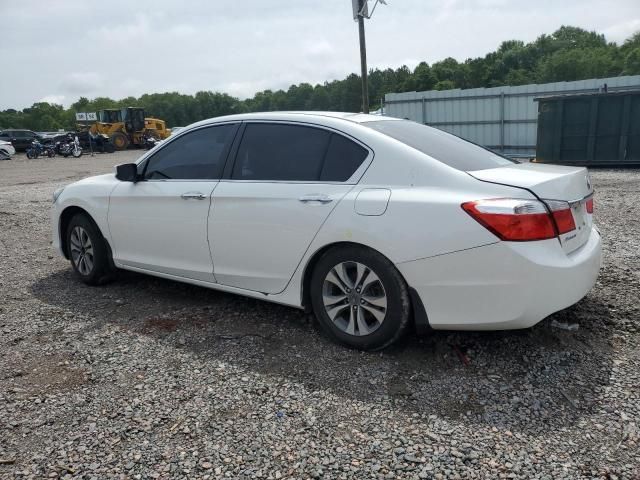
(359, 298)
(88, 251)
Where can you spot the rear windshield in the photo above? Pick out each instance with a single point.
(448, 149)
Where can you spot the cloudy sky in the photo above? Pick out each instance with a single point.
(59, 51)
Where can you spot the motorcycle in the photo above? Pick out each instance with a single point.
(38, 149)
(71, 146)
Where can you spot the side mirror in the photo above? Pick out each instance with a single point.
(127, 172)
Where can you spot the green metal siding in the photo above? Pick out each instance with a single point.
(594, 130)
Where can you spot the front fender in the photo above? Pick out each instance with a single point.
(90, 195)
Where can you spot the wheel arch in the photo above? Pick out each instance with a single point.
(65, 217)
(418, 312)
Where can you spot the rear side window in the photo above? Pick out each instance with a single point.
(281, 152)
(444, 147)
(342, 160)
(197, 155)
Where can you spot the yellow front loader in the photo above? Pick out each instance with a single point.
(126, 126)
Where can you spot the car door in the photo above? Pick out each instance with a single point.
(23, 139)
(160, 222)
(283, 185)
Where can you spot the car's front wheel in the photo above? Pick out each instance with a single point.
(88, 251)
(359, 297)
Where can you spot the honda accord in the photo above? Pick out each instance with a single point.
(375, 224)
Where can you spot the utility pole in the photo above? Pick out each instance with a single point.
(360, 12)
(363, 57)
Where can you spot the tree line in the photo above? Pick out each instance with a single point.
(570, 53)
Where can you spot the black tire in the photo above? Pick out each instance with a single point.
(102, 270)
(31, 154)
(119, 140)
(398, 306)
(51, 153)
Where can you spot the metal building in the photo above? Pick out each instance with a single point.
(501, 118)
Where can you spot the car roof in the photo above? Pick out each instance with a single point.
(312, 116)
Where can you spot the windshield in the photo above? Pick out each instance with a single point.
(448, 149)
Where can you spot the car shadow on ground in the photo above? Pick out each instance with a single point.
(513, 380)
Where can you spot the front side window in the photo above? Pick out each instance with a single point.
(197, 155)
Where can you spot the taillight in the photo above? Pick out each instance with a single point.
(519, 220)
(562, 215)
(589, 206)
(513, 219)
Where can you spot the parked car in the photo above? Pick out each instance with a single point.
(6, 148)
(20, 139)
(373, 223)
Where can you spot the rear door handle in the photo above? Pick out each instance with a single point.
(316, 197)
(193, 196)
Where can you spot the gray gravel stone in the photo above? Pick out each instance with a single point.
(146, 378)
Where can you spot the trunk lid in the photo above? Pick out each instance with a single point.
(551, 182)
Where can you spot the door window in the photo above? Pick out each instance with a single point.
(282, 152)
(197, 155)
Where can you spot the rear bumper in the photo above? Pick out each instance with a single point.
(505, 285)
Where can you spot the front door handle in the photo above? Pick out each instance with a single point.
(316, 197)
(193, 196)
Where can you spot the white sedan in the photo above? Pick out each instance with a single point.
(375, 224)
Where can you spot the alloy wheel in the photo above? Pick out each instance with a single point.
(81, 250)
(354, 298)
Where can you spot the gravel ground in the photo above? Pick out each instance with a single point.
(147, 378)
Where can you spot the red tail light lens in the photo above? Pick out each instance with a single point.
(562, 215)
(514, 220)
(589, 206)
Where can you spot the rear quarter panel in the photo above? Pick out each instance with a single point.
(423, 218)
